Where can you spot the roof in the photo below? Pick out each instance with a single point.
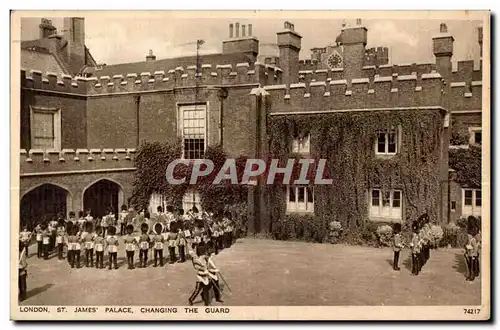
(172, 63)
(41, 60)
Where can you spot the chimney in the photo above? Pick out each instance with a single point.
(151, 56)
(237, 30)
(289, 43)
(442, 46)
(249, 30)
(243, 30)
(248, 45)
(46, 28)
(354, 41)
(74, 34)
(231, 30)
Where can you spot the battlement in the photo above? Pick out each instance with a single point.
(392, 91)
(467, 71)
(38, 160)
(377, 56)
(209, 75)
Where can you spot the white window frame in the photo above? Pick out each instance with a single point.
(394, 214)
(296, 206)
(186, 206)
(472, 209)
(397, 131)
(472, 137)
(180, 121)
(57, 125)
(302, 146)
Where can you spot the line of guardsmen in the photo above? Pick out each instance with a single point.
(421, 242)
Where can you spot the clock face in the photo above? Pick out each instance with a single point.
(334, 60)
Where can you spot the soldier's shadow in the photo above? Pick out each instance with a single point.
(460, 265)
(35, 291)
(407, 262)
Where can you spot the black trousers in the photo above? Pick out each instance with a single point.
(46, 248)
(60, 249)
(220, 242)
(104, 231)
(476, 265)
(122, 229)
(182, 253)
(396, 260)
(75, 258)
(112, 256)
(39, 245)
(216, 287)
(216, 244)
(89, 257)
(23, 288)
(171, 252)
(143, 257)
(415, 263)
(205, 293)
(130, 259)
(99, 259)
(158, 255)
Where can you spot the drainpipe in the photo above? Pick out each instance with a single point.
(222, 94)
(137, 109)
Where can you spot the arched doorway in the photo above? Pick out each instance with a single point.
(43, 202)
(102, 195)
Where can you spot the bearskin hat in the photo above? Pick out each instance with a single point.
(88, 226)
(98, 230)
(397, 227)
(112, 230)
(144, 227)
(201, 248)
(198, 223)
(158, 228)
(415, 226)
(173, 226)
(130, 228)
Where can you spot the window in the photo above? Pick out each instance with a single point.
(387, 142)
(386, 204)
(471, 202)
(193, 131)
(45, 128)
(300, 199)
(453, 206)
(190, 199)
(301, 145)
(475, 135)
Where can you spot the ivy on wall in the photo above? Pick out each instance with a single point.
(151, 161)
(347, 142)
(467, 165)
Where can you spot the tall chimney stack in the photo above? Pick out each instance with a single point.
(250, 30)
(237, 30)
(243, 30)
(231, 30)
(46, 28)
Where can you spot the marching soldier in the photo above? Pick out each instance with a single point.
(112, 244)
(398, 245)
(144, 242)
(172, 242)
(45, 240)
(213, 272)
(471, 248)
(25, 238)
(60, 235)
(88, 244)
(74, 247)
(202, 276)
(158, 240)
(23, 272)
(197, 234)
(121, 219)
(415, 249)
(130, 243)
(181, 240)
(39, 243)
(99, 246)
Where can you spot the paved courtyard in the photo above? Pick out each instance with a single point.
(264, 272)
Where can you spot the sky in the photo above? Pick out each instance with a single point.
(114, 40)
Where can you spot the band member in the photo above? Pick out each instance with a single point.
(39, 242)
(130, 243)
(397, 244)
(74, 247)
(72, 217)
(170, 216)
(23, 272)
(121, 219)
(81, 220)
(197, 234)
(220, 236)
(105, 226)
(227, 230)
(88, 243)
(202, 276)
(181, 241)
(69, 231)
(99, 246)
(471, 248)
(158, 240)
(424, 235)
(60, 235)
(172, 241)
(415, 249)
(144, 242)
(213, 272)
(215, 236)
(25, 238)
(45, 240)
(112, 245)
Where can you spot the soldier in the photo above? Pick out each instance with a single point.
(477, 251)
(72, 217)
(39, 243)
(144, 242)
(45, 240)
(61, 234)
(202, 276)
(88, 243)
(74, 247)
(25, 238)
(158, 240)
(105, 225)
(197, 234)
(169, 216)
(121, 219)
(172, 242)
(99, 246)
(471, 248)
(398, 245)
(69, 231)
(130, 243)
(112, 245)
(23, 272)
(213, 272)
(415, 249)
(181, 241)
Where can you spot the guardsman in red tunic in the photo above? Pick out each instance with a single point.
(202, 276)
(99, 246)
(172, 242)
(46, 233)
(23, 272)
(158, 240)
(88, 243)
(181, 241)
(25, 238)
(213, 272)
(112, 244)
(60, 234)
(397, 245)
(74, 247)
(130, 243)
(144, 242)
(197, 234)
(415, 249)
(39, 243)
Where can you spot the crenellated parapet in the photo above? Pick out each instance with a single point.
(42, 161)
(393, 91)
(467, 71)
(179, 77)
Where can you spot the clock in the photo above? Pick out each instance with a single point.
(334, 61)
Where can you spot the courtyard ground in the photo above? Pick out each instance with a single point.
(264, 272)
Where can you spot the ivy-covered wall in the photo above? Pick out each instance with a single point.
(415, 169)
